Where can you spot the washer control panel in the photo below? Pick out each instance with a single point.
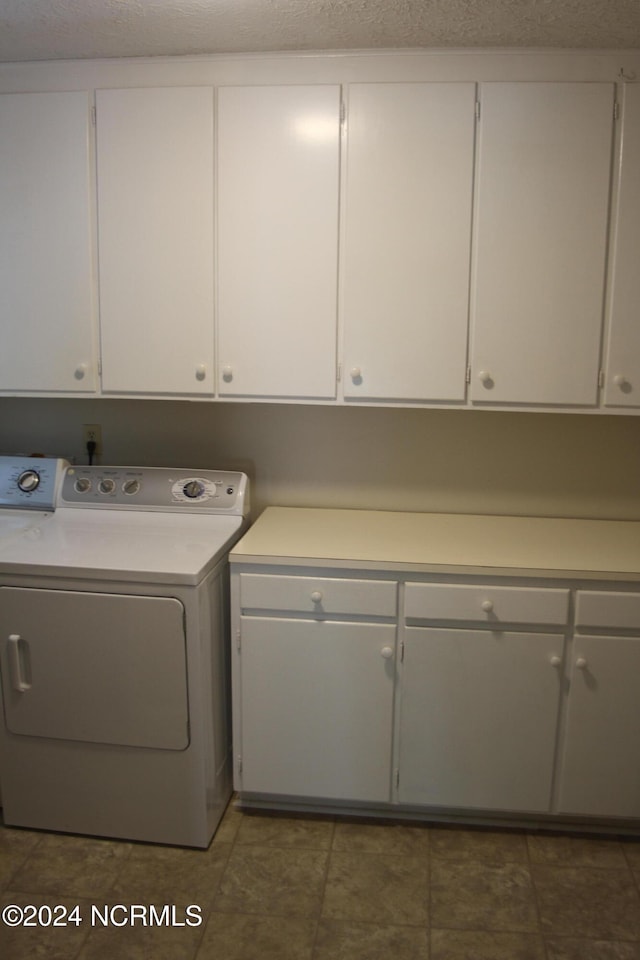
(30, 483)
(155, 488)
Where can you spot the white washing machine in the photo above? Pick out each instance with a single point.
(28, 488)
(114, 656)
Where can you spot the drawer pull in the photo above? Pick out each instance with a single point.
(386, 653)
(316, 596)
(487, 606)
(555, 660)
(581, 663)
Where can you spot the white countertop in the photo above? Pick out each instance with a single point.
(441, 542)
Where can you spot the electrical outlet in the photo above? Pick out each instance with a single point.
(92, 432)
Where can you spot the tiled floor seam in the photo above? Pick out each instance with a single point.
(125, 861)
(635, 872)
(18, 868)
(536, 898)
(429, 888)
(211, 909)
(599, 936)
(314, 945)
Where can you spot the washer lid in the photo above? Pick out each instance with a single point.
(116, 544)
(13, 523)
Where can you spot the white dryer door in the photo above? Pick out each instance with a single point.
(99, 667)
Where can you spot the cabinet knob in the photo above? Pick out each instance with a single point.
(487, 606)
(316, 596)
(622, 382)
(486, 379)
(386, 653)
(201, 371)
(555, 660)
(356, 374)
(227, 374)
(81, 371)
(581, 663)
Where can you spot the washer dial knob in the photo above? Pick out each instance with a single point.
(107, 485)
(131, 487)
(82, 485)
(193, 489)
(28, 481)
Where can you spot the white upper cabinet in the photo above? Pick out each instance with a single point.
(543, 181)
(408, 202)
(155, 216)
(278, 185)
(47, 313)
(622, 381)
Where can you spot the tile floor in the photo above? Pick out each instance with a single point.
(282, 888)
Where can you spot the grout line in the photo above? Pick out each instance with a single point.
(635, 874)
(429, 925)
(20, 865)
(324, 888)
(536, 899)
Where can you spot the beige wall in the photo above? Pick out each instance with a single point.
(397, 459)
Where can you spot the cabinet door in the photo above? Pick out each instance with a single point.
(317, 708)
(600, 773)
(478, 718)
(278, 160)
(408, 240)
(45, 244)
(622, 382)
(155, 195)
(540, 241)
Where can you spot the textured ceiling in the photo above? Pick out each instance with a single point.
(71, 29)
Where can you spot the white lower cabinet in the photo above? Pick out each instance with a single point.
(600, 769)
(317, 708)
(314, 676)
(506, 698)
(480, 687)
(478, 718)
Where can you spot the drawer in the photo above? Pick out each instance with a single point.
(457, 601)
(612, 610)
(319, 595)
